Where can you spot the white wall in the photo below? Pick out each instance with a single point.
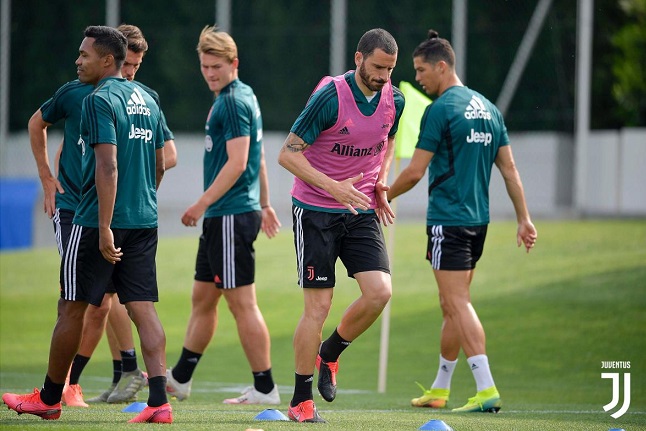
(616, 184)
(616, 173)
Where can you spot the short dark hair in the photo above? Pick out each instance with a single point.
(435, 49)
(108, 40)
(135, 37)
(377, 38)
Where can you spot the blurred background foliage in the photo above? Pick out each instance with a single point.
(284, 51)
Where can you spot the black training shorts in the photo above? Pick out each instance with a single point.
(62, 220)
(455, 248)
(226, 255)
(322, 237)
(85, 273)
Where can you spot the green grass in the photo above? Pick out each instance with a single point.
(551, 317)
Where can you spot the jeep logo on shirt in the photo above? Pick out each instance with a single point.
(480, 137)
(137, 133)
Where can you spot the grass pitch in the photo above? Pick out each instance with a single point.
(551, 318)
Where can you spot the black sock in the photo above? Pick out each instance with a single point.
(332, 348)
(51, 393)
(302, 389)
(78, 364)
(157, 391)
(262, 381)
(116, 371)
(128, 360)
(183, 371)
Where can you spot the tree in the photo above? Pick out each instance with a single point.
(629, 64)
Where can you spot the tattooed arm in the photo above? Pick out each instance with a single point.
(291, 158)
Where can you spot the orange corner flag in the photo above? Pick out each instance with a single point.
(408, 131)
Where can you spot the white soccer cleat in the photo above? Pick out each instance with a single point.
(129, 384)
(251, 396)
(181, 391)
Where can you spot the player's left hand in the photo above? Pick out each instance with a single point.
(384, 211)
(270, 224)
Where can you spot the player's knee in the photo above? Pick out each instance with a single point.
(71, 310)
(96, 314)
(381, 297)
(317, 312)
(452, 305)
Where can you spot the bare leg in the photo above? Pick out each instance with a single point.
(66, 339)
(307, 336)
(460, 319)
(376, 290)
(93, 326)
(121, 327)
(152, 336)
(450, 338)
(204, 316)
(252, 330)
(115, 348)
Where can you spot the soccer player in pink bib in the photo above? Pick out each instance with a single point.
(339, 150)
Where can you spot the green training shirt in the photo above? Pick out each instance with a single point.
(464, 130)
(168, 134)
(66, 104)
(121, 113)
(234, 113)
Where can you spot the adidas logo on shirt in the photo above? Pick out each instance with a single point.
(137, 105)
(476, 109)
(344, 131)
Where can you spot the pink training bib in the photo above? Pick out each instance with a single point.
(355, 144)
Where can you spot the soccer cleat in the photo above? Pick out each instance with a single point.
(32, 404)
(327, 378)
(435, 398)
(128, 386)
(103, 398)
(487, 400)
(73, 396)
(251, 395)
(181, 391)
(154, 415)
(304, 412)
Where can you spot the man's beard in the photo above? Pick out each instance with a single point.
(372, 86)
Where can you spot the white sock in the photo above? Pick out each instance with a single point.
(444, 374)
(479, 365)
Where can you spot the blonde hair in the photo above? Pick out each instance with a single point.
(218, 43)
